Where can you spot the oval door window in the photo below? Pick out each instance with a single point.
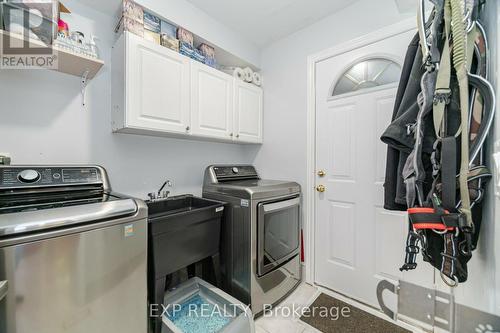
(367, 73)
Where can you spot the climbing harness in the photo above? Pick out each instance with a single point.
(443, 167)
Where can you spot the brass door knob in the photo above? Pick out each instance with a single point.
(321, 173)
(321, 188)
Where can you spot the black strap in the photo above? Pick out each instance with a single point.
(449, 172)
(412, 249)
(425, 218)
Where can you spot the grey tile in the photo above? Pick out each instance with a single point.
(280, 325)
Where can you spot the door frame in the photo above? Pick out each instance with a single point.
(312, 60)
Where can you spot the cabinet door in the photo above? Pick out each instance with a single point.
(157, 87)
(248, 112)
(211, 102)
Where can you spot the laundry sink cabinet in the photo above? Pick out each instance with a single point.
(182, 230)
(157, 91)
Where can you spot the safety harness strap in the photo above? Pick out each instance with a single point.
(460, 64)
(449, 172)
(443, 91)
(450, 265)
(412, 249)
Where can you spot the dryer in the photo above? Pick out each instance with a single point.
(260, 245)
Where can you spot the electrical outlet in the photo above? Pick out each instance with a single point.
(5, 159)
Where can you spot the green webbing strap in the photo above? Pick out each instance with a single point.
(460, 64)
(443, 92)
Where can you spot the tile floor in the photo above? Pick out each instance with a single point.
(303, 296)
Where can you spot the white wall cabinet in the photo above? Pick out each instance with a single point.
(248, 112)
(157, 91)
(211, 102)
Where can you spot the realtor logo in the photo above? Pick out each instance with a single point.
(28, 35)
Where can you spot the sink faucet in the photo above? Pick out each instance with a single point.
(161, 195)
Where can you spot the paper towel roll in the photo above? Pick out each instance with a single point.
(257, 79)
(248, 74)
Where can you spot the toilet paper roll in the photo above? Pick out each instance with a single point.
(248, 74)
(235, 71)
(257, 79)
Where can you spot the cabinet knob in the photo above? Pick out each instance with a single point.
(237, 135)
(231, 134)
(188, 128)
(321, 173)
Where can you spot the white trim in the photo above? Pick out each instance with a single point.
(312, 60)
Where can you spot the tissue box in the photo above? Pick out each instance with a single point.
(209, 54)
(128, 24)
(168, 29)
(152, 36)
(198, 56)
(131, 10)
(151, 22)
(130, 18)
(170, 42)
(185, 37)
(185, 49)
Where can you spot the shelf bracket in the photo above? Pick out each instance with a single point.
(84, 85)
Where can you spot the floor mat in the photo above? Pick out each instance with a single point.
(329, 315)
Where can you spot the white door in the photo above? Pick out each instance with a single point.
(247, 112)
(357, 242)
(211, 102)
(158, 87)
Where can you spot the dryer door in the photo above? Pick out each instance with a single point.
(277, 233)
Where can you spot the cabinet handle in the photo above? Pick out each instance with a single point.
(237, 135)
(231, 134)
(188, 128)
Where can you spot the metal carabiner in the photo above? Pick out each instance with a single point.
(446, 280)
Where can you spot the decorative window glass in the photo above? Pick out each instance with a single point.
(366, 74)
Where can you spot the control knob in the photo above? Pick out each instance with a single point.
(28, 176)
(235, 170)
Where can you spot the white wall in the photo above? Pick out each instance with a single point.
(42, 121)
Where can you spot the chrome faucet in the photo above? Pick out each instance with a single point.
(160, 195)
(165, 194)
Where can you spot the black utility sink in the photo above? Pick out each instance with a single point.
(182, 231)
(178, 204)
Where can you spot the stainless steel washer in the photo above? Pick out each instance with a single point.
(260, 252)
(73, 254)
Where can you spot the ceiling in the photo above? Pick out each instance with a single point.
(265, 21)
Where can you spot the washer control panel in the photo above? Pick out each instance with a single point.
(18, 177)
